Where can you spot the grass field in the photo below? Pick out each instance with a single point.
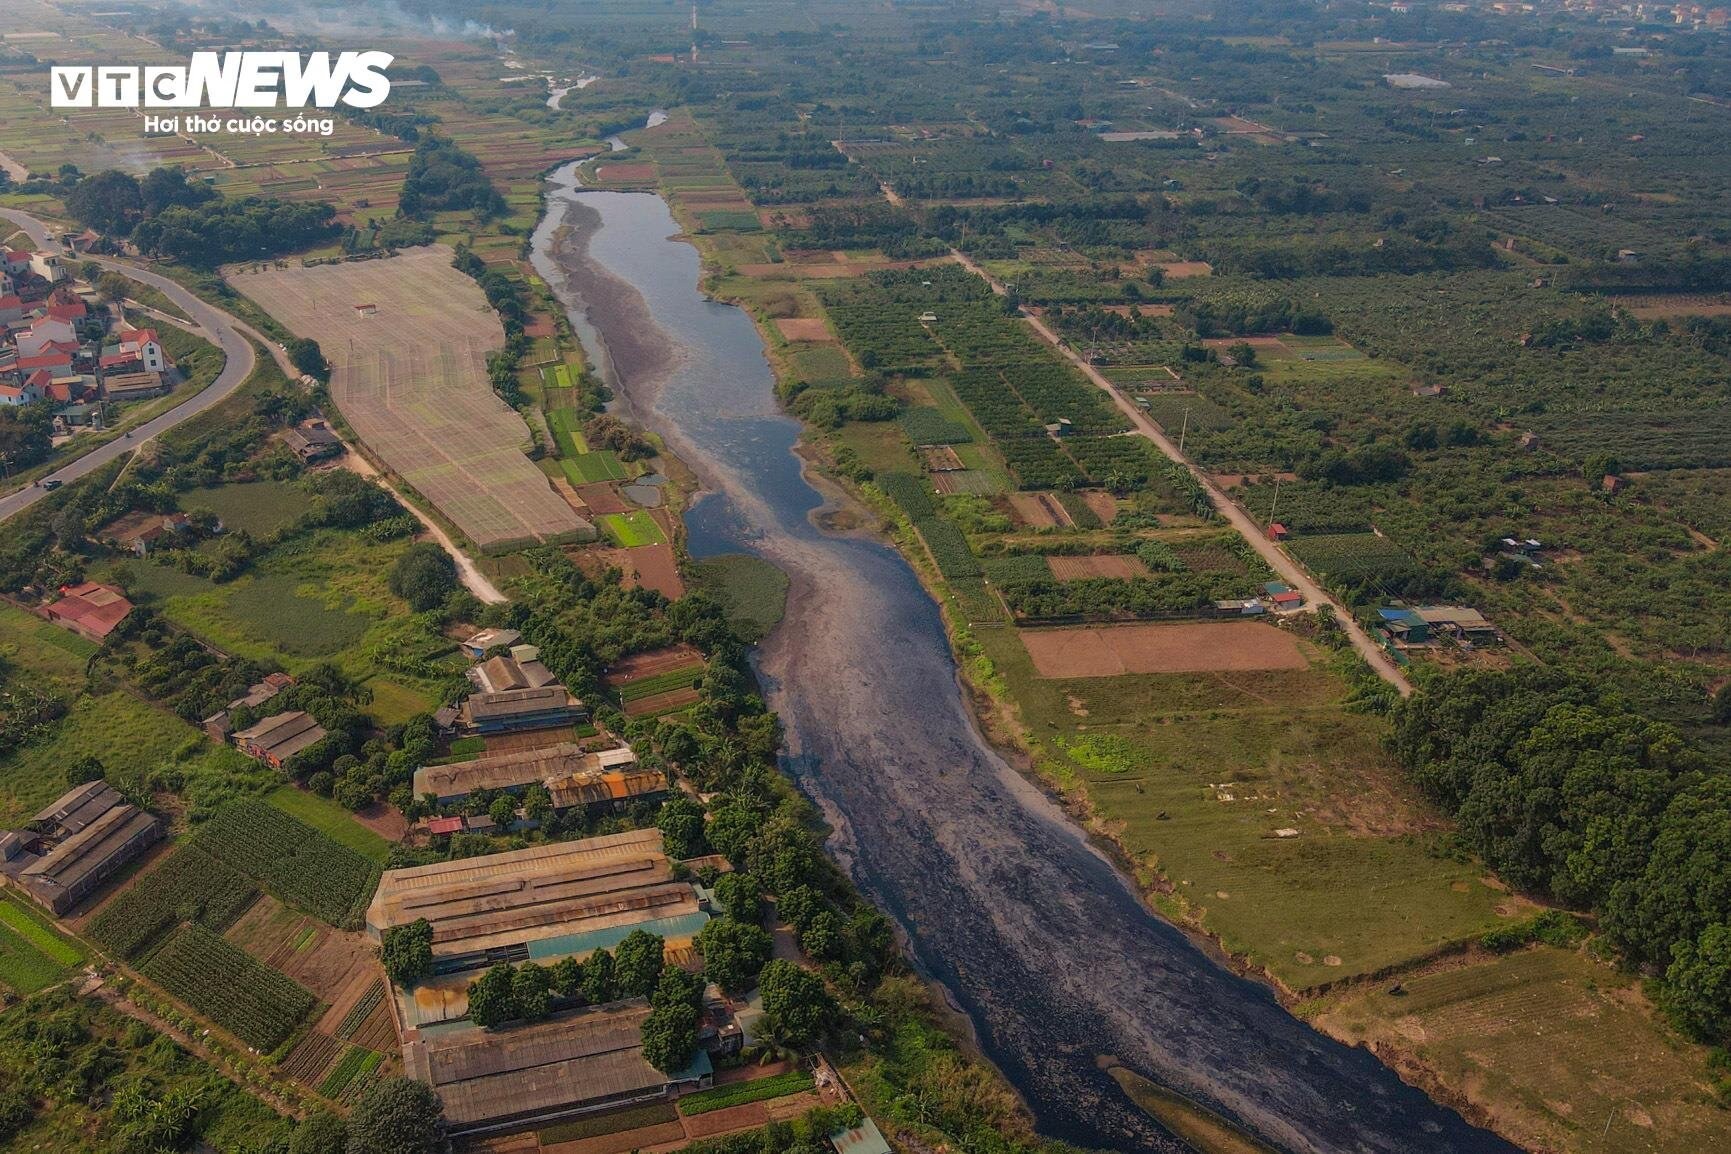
(1197, 772)
(32, 954)
(132, 739)
(1562, 1048)
(332, 820)
(261, 507)
(752, 592)
(739, 1093)
(630, 529)
(394, 704)
(47, 651)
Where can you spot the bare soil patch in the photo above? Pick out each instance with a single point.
(803, 329)
(1185, 647)
(661, 702)
(1179, 269)
(654, 567)
(1038, 510)
(628, 172)
(1118, 565)
(941, 459)
(603, 497)
(1103, 505)
(648, 664)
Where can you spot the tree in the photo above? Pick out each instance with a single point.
(503, 811)
(1697, 991)
(733, 953)
(638, 962)
(680, 821)
(677, 985)
(796, 1003)
(598, 982)
(108, 202)
(821, 938)
(306, 356)
(408, 952)
(397, 1116)
(670, 1036)
(740, 894)
(492, 997)
(85, 769)
(424, 576)
(567, 976)
(532, 991)
(322, 1133)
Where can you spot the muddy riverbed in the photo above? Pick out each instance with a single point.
(1041, 941)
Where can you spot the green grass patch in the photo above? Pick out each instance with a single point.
(332, 820)
(29, 643)
(740, 1093)
(752, 592)
(631, 529)
(259, 507)
(32, 954)
(393, 703)
(134, 740)
(591, 468)
(298, 625)
(925, 425)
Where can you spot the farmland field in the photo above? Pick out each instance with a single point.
(292, 860)
(32, 955)
(1106, 652)
(1353, 557)
(632, 529)
(412, 381)
(189, 885)
(248, 999)
(1598, 1075)
(260, 507)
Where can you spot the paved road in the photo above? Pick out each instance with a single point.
(1288, 569)
(216, 323)
(230, 333)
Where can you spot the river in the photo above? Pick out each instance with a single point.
(1039, 939)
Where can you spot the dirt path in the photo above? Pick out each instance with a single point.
(1288, 569)
(104, 993)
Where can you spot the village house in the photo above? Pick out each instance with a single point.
(135, 350)
(521, 670)
(217, 724)
(139, 533)
(313, 441)
(90, 610)
(515, 710)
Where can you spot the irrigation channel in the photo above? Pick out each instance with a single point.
(1037, 936)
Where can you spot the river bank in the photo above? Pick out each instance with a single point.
(1044, 944)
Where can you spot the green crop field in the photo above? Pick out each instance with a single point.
(189, 885)
(32, 954)
(332, 820)
(630, 529)
(295, 862)
(740, 1093)
(250, 1000)
(590, 468)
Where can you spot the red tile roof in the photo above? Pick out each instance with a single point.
(54, 360)
(91, 608)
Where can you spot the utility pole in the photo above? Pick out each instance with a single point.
(1274, 507)
(1183, 432)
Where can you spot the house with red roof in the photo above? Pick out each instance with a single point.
(90, 610)
(11, 308)
(55, 359)
(44, 331)
(16, 396)
(137, 350)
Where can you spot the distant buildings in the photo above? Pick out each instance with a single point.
(521, 670)
(480, 644)
(77, 843)
(313, 441)
(217, 724)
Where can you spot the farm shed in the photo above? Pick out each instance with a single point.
(499, 674)
(535, 903)
(1404, 626)
(313, 441)
(278, 738)
(1463, 623)
(562, 766)
(92, 833)
(476, 647)
(519, 709)
(568, 1064)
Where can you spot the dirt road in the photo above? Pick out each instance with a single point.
(1277, 558)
